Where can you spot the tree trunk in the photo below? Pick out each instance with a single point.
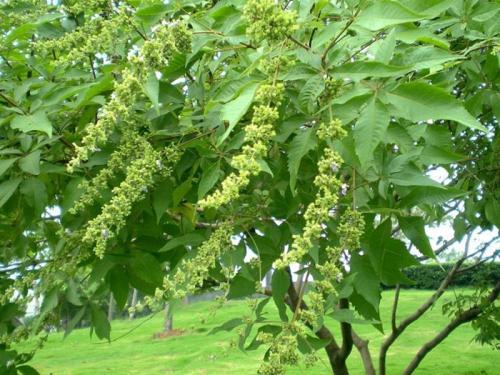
(267, 279)
(336, 355)
(339, 368)
(169, 320)
(133, 303)
(111, 307)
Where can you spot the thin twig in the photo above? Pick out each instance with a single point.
(338, 37)
(307, 48)
(395, 308)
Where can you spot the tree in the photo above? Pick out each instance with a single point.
(153, 145)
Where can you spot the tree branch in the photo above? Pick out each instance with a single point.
(398, 330)
(362, 346)
(300, 44)
(338, 37)
(464, 317)
(346, 330)
(395, 308)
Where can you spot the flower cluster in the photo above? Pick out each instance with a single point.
(117, 109)
(139, 177)
(277, 63)
(333, 87)
(192, 271)
(268, 21)
(282, 351)
(96, 35)
(154, 54)
(331, 130)
(167, 40)
(350, 230)
(130, 149)
(90, 6)
(318, 211)
(14, 13)
(257, 135)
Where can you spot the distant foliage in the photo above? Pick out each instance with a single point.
(430, 276)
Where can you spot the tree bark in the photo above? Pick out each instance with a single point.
(333, 350)
(169, 320)
(397, 330)
(133, 303)
(362, 346)
(346, 330)
(268, 278)
(464, 317)
(111, 307)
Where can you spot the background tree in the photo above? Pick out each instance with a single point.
(157, 146)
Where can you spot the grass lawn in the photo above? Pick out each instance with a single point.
(195, 352)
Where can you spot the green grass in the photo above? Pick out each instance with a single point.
(196, 352)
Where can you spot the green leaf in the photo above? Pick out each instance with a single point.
(310, 92)
(8, 188)
(309, 344)
(227, 326)
(27, 370)
(240, 286)
(280, 283)
(209, 179)
(74, 320)
(389, 256)
(437, 155)
(359, 70)
(35, 193)
(431, 8)
(427, 57)
(72, 293)
(385, 50)
(492, 211)
(429, 195)
(31, 163)
(100, 323)
(104, 84)
(152, 90)
(119, 285)
(366, 309)
(424, 36)
(191, 239)
(346, 315)
(152, 13)
(383, 13)
(233, 111)
(6, 164)
(412, 176)
(370, 129)
(414, 228)
(50, 301)
(366, 281)
(145, 267)
(24, 31)
(162, 198)
(180, 191)
(303, 142)
(418, 101)
(37, 121)
(267, 328)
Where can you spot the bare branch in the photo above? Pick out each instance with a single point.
(398, 330)
(395, 308)
(464, 317)
(362, 346)
(300, 44)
